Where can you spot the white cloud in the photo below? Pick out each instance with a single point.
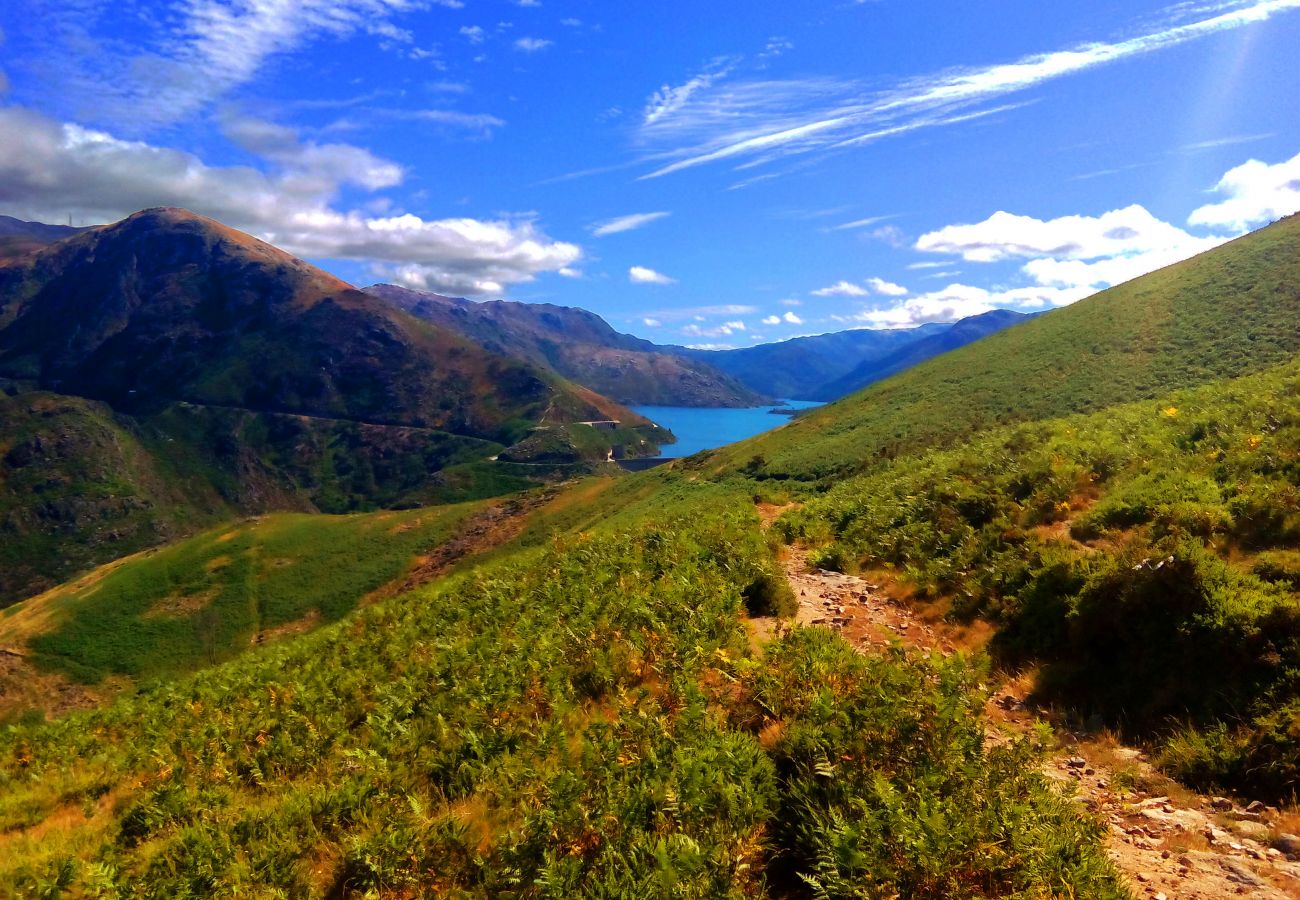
(711, 346)
(473, 33)
(772, 320)
(642, 275)
(792, 302)
(51, 170)
(1256, 193)
(841, 289)
(887, 288)
(1121, 232)
(1071, 257)
(791, 319)
(668, 99)
(702, 122)
(958, 301)
(724, 330)
(651, 323)
(532, 44)
(627, 223)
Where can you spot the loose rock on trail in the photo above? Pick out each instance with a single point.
(1170, 845)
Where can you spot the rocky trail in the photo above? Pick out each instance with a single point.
(1170, 843)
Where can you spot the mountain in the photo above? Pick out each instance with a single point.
(580, 346)
(1228, 312)
(797, 368)
(926, 346)
(20, 240)
(1103, 498)
(167, 371)
(169, 306)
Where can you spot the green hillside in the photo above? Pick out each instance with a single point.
(585, 719)
(1229, 312)
(582, 710)
(212, 596)
(1146, 557)
(166, 372)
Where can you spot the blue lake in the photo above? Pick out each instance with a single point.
(706, 429)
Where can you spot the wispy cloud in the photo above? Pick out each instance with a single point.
(669, 99)
(1231, 140)
(860, 223)
(207, 49)
(626, 223)
(710, 119)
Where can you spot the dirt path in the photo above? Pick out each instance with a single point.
(1171, 844)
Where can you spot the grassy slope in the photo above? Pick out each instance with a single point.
(580, 718)
(1148, 557)
(205, 599)
(1225, 313)
(81, 484)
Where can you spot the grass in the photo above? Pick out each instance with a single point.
(584, 718)
(210, 597)
(1143, 557)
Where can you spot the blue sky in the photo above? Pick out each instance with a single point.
(715, 174)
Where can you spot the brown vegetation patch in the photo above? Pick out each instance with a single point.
(24, 688)
(217, 562)
(288, 629)
(178, 606)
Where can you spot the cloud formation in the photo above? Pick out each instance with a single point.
(642, 275)
(200, 53)
(52, 170)
(627, 223)
(1071, 257)
(1255, 193)
(755, 121)
(841, 289)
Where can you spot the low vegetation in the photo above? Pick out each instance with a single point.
(1145, 557)
(585, 718)
(213, 596)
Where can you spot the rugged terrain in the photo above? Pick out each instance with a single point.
(819, 663)
(210, 374)
(580, 346)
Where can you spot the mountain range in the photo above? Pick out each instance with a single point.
(1091, 517)
(168, 349)
(580, 346)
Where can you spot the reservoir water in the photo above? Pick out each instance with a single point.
(706, 429)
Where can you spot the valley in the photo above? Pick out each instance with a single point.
(551, 450)
(342, 651)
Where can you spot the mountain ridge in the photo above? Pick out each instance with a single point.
(579, 345)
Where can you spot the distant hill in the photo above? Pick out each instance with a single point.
(20, 240)
(578, 345)
(797, 369)
(933, 343)
(166, 371)
(1231, 311)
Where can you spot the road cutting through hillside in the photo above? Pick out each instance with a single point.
(1170, 843)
